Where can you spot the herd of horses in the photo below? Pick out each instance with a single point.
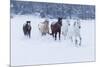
(72, 32)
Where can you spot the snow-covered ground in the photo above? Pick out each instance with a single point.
(44, 49)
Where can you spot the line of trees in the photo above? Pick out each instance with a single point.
(53, 10)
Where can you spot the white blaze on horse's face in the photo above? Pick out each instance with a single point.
(29, 24)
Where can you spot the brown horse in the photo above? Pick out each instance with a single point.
(56, 28)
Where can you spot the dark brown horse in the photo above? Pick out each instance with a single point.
(56, 28)
(27, 29)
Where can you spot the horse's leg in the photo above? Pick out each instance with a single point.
(59, 34)
(80, 41)
(25, 32)
(71, 38)
(29, 34)
(42, 33)
(48, 32)
(55, 35)
(76, 42)
(52, 33)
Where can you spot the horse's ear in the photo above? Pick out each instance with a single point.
(59, 18)
(28, 21)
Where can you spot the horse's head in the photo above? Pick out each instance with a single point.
(46, 22)
(60, 21)
(77, 24)
(28, 22)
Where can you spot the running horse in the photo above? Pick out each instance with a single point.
(27, 29)
(56, 28)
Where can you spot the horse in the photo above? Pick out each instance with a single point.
(56, 28)
(65, 28)
(74, 33)
(27, 29)
(77, 35)
(44, 27)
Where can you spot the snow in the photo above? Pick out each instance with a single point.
(44, 49)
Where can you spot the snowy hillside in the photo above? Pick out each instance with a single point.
(44, 49)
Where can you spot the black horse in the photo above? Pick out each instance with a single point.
(56, 28)
(27, 29)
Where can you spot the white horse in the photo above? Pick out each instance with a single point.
(65, 28)
(44, 27)
(75, 33)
